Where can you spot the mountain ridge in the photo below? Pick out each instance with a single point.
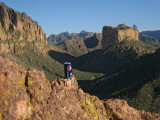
(144, 36)
(112, 72)
(56, 38)
(18, 26)
(30, 52)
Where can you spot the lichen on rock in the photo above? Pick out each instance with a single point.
(27, 94)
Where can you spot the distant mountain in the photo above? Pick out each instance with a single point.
(118, 65)
(80, 46)
(154, 33)
(131, 69)
(69, 36)
(124, 68)
(130, 66)
(150, 40)
(23, 41)
(150, 37)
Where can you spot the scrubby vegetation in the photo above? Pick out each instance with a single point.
(137, 81)
(123, 27)
(130, 70)
(32, 56)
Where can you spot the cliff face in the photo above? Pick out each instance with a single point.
(117, 34)
(18, 26)
(27, 94)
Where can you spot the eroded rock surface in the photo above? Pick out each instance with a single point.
(27, 94)
(120, 110)
(117, 34)
(18, 26)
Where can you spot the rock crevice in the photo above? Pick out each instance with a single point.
(18, 26)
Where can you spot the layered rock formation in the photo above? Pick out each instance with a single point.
(27, 94)
(11, 47)
(18, 26)
(117, 34)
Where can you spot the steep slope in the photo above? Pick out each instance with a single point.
(30, 48)
(114, 57)
(129, 73)
(29, 95)
(112, 35)
(16, 29)
(137, 82)
(78, 47)
(35, 54)
(120, 45)
(94, 42)
(18, 26)
(74, 47)
(131, 68)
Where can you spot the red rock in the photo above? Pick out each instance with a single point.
(29, 95)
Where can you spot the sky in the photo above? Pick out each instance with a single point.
(56, 16)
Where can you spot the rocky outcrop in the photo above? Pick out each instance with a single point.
(27, 94)
(120, 110)
(18, 26)
(117, 34)
(12, 47)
